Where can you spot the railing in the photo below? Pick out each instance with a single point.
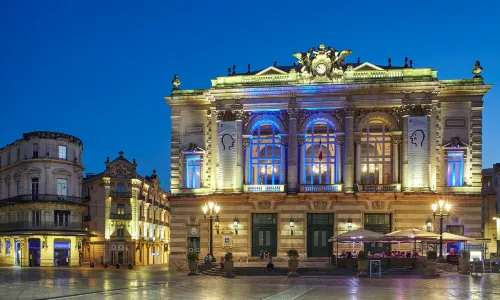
(374, 188)
(320, 188)
(27, 225)
(121, 194)
(41, 198)
(264, 188)
(118, 216)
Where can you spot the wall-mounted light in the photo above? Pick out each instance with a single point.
(428, 224)
(217, 223)
(292, 225)
(349, 223)
(235, 224)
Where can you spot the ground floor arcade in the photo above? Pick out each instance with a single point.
(125, 252)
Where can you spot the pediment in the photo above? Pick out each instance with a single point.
(63, 172)
(455, 142)
(368, 67)
(272, 71)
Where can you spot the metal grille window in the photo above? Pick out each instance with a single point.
(376, 154)
(319, 154)
(265, 155)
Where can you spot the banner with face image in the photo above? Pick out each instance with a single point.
(227, 151)
(418, 152)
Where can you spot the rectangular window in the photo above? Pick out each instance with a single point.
(35, 150)
(61, 218)
(62, 152)
(20, 216)
(193, 171)
(7, 246)
(36, 218)
(34, 188)
(18, 188)
(62, 187)
(455, 229)
(120, 209)
(455, 169)
(120, 232)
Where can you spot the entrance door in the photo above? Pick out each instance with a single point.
(61, 253)
(380, 223)
(319, 230)
(264, 234)
(34, 252)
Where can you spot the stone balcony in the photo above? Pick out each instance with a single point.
(264, 188)
(120, 216)
(115, 194)
(379, 188)
(321, 188)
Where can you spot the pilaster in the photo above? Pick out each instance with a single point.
(404, 155)
(349, 151)
(292, 178)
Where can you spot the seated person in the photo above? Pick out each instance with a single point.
(270, 265)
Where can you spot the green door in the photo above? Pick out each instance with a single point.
(319, 230)
(264, 234)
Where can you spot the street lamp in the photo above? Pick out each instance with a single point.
(349, 223)
(292, 225)
(235, 224)
(428, 223)
(212, 210)
(441, 209)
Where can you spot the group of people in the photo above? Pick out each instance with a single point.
(266, 255)
(382, 254)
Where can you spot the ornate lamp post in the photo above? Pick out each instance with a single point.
(441, 209)
(213, 212)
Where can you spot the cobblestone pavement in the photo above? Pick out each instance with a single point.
(17, 283)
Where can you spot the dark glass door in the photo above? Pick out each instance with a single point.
(319, 230)
(34, 252)
(264, 234)
(380, 223)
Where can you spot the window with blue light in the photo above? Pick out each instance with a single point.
(193, 172)
(376, 161)
(120, 187)
(265, 155)
(455, 168)
(319, 154)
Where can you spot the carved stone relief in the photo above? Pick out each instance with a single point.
(264, 205)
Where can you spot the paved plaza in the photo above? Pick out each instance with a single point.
(49, 283)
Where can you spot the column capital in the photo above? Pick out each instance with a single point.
(350, 112)
(292, 112)
(396, 139)
(300, 140)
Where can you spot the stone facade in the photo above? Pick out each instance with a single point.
(129, 215)
(375, 144)
(41, 215)
(491, 203)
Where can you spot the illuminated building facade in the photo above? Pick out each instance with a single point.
(128, 214)
(491, 205)
(320, 143)
(41, 207)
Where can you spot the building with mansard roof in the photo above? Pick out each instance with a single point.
(41, 206)
(328, 144)
(128, 214)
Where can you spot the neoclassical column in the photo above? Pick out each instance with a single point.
(300, 151)
(292, 178)
(357, 141)
(404, 155)
(349, 150)
(339, 143)
(240, 158)
(396, 140)
(246, 158)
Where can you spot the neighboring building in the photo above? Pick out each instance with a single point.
(491, 202)
(128, 213)
(319, 143)
(41, 214)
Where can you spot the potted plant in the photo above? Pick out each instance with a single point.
(193, 263)
(228, 265)
(430, 263)
(293, 262)
(463, 263)
(362, 264)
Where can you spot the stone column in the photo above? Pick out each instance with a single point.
(246, 158)
(349, 151)
(339, 143)
(396, 140)
(357, 141)
(404, 156)
(292, 179)
(240, 158)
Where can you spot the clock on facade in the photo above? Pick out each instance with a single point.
(321, 69)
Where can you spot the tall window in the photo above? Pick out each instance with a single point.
(8, 189)
(34, 188)
(61, 218)
(36, 218)
(62, 152)
(265, 156)
(376, 154)
(18, 187)
(193, 170)
(120, 187)
(319, 154)
(62, 187)
(120, 232)
(120, 209)
(35, 150)
(7, 246)
(455, 168)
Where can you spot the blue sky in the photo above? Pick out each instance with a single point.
(99, 69)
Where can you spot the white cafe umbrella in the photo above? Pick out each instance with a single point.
(359, 234)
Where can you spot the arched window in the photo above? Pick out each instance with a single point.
(376, 154)
(319, 154)
(265, 155)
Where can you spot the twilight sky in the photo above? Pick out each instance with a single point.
(99, 69)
